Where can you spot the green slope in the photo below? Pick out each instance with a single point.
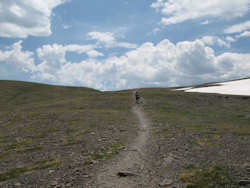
(199, 139)
(203, 139)
(42, 125)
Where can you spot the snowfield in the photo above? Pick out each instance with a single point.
(183, 89)
(238, 87)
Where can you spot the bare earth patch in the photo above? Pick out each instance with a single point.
(131, 167)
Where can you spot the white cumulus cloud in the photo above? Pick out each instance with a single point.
(163, 64)
(238, 28)
(238, 31)
(214, 40)
(53, 57)
(21, 18)
(244, 34)
(16, 58)
(109, 40)
(177, 11)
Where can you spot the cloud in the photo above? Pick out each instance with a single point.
(234, 65)
(51, 52)
(230, 39)
(53, 57)
(205, 22)
(177, 11)
(163, 64)
(106, 37)
(214, 40)
(94, 53)
(109, 40)
(238, 28)
(67, 27)
(155, 31)
(238, 31)
(15, 58)
(244, 34)
(19, 19)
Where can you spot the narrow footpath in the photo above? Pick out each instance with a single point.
(132, 167)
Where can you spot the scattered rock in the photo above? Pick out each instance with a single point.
(69, 185)
(244, 182)
(51, 171)
(77, 172)
(122, 148)
(59, 186)
(169, 159)
(126, 174)
(54, 183)
(248, 170)
(93, 162)
(85, 176)
(166, 182)
(17, 184)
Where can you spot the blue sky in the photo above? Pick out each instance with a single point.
(121, 44)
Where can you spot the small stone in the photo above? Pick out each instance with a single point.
(244, 182)
(166, 182)
(122, 148)
(59, 186)
(126, 174)
(77, 172)
(69, 185)
(54, 183)
(169, 159)
(246, 165)
(94, 162)
(18, 184)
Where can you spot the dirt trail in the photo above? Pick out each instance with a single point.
(133, 160)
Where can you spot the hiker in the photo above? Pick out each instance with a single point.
(137, 97)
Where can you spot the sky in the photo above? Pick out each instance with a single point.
(123, 44)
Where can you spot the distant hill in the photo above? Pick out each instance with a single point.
(18, 93)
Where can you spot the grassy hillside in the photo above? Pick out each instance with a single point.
(65, 134)
(63, 128)
(203, 139)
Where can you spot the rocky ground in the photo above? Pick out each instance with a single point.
(77, 137)
(202, 139)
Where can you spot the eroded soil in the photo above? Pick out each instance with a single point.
(133, 161)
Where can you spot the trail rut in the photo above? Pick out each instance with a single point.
(132, 161)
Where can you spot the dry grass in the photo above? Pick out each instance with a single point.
(38, 120)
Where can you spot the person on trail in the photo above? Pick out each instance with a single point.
(137, 97)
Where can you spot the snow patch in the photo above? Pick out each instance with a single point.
(238, 87)
(183, 89)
